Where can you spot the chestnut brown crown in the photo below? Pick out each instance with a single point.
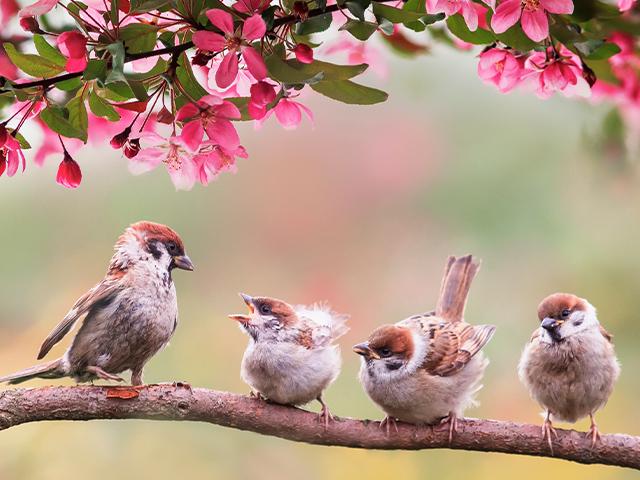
(560, 305)
(391, 340)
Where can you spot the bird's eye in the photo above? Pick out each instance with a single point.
(265, 309)
(565, 313)
(172, 247)
(385, 352)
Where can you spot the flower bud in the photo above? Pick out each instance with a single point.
(3, 134)
(121, 138)
(303, 53)
(132, 148)
(69, 174)
(301, 10)
(30, 24)
(201, 58)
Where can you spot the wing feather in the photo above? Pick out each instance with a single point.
(102, 292)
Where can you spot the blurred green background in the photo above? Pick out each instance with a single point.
(362, 211)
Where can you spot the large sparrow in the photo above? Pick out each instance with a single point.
(292, 356)
(569, 366)
(427, 368)
(128, 317)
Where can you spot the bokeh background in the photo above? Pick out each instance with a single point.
(361, 210)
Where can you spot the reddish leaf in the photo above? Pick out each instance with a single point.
(139, 107)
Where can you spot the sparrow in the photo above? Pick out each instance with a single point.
(128, 317)
(291, 357)
(569, 366)
(427, 368)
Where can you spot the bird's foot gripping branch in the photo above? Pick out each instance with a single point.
(179, 402)
(165, 80)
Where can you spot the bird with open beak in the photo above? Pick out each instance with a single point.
(427, 368)
(292, 356)
(128, 317)
(569, 366)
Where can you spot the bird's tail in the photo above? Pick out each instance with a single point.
(54, 369)
(458, 275)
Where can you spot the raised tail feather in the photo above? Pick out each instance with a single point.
(458, 275)
(54, 369)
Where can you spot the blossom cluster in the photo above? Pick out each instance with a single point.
(167, 81)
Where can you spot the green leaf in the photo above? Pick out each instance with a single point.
(314, 25)
(78, 115)
(187, 79)
(49, 52)
(294, 72)
(21, 140)
(516, 39)
(148, 5)
(117, 63)
(397, 15)
(242, 103)
(95, 70)
(602, 70)
(459, 28)
(358, 7)
(360, 30)
(33, 65)
(597, 49)
(69, 85)
(101, 108)
(56, 118)
(138, 37)
(350, 92)
(159, 68)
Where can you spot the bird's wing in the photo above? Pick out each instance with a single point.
(321, 324)
(101, 293)
(606, 334)
(451, 345)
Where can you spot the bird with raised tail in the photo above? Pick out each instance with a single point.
(427, 368)
(292, 356)
(128, 317)
(569, 366)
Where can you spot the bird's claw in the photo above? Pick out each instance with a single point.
(452, 420)
(387, 422)
(547, 431)
(593, 432)
(325, 416)
(101, 374)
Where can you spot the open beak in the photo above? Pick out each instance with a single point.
(364, 350)
(244, 319)
(249, 301)
(183, 262)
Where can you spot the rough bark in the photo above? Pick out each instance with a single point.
(181, 403)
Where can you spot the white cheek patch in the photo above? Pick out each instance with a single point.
(419, 352)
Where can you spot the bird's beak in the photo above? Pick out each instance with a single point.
(244, 319)
(550, 324)
(183, 262)
(364, 350)
(249, 301)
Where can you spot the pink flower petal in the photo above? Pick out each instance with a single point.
(470, 15)
(288, 114)
(557, 6)
(74, 65)
(223, 133)
(192, 134)
(69, 173)
(535, 24)
(189, 110)
(39, 8)
(303, 53)
(221, 19)
(506, 16)
(255, 62)
(254, 28)
(228, 70)
(209, 41)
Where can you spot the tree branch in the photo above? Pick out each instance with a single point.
(181, 403)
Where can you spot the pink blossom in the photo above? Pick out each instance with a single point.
(288, 113)
(213, 159)
(73, 45)
(557, 72)
(303, 53)
(174, 152)
(69, 174)
(211, 114)
(262, 94)
(8, 10)
(38, 8)
(531, 13)
(467, 8)
(11, 156)
(240, 88)
(251, 6)
(625, 5)
(501, 68)
(253, 28)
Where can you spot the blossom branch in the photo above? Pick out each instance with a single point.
(179, 402)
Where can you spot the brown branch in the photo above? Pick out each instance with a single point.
(179, 402)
